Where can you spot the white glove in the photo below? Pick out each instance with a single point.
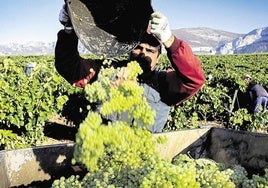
(160, 26)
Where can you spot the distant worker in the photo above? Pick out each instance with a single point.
(257, 94)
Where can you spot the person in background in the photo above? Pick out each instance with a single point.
(257, 94)
(162, 88)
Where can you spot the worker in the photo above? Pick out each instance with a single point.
(258, 96)
(162, 88)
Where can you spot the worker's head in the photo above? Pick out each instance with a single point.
(147, 52)
(247, 78)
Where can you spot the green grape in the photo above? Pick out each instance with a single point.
(210, 174)
(261, 181)
(72, 181)
(238, 174)
(249, 183)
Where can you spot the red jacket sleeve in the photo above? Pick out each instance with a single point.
(70, 65)
(187, 77)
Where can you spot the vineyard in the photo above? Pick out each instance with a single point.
(29, 103)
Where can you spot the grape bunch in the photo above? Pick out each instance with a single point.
(238, 174)
(72, 181)
(125, 101)
(258, 180)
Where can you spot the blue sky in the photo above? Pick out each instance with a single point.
(37, 20)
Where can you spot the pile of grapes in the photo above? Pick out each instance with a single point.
(121, 152)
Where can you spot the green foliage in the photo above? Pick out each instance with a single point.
(10, 140)
(28, 101)
(259, 122)
(214, 101)
(227, 76)
(240, 119)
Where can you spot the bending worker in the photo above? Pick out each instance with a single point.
(258, 96)
(162, 88)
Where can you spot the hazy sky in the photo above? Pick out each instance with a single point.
(37, 20)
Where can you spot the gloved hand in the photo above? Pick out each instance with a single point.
(160, 26)
(64, 18)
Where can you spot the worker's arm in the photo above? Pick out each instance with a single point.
(187, 77)
(75, 69)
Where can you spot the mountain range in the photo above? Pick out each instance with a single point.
(210, 41)
(202, 40)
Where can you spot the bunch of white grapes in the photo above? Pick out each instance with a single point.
(120, 142)
(120, 95)
(259, 181)
(183, 172)
(72, 181)
(98, 145)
